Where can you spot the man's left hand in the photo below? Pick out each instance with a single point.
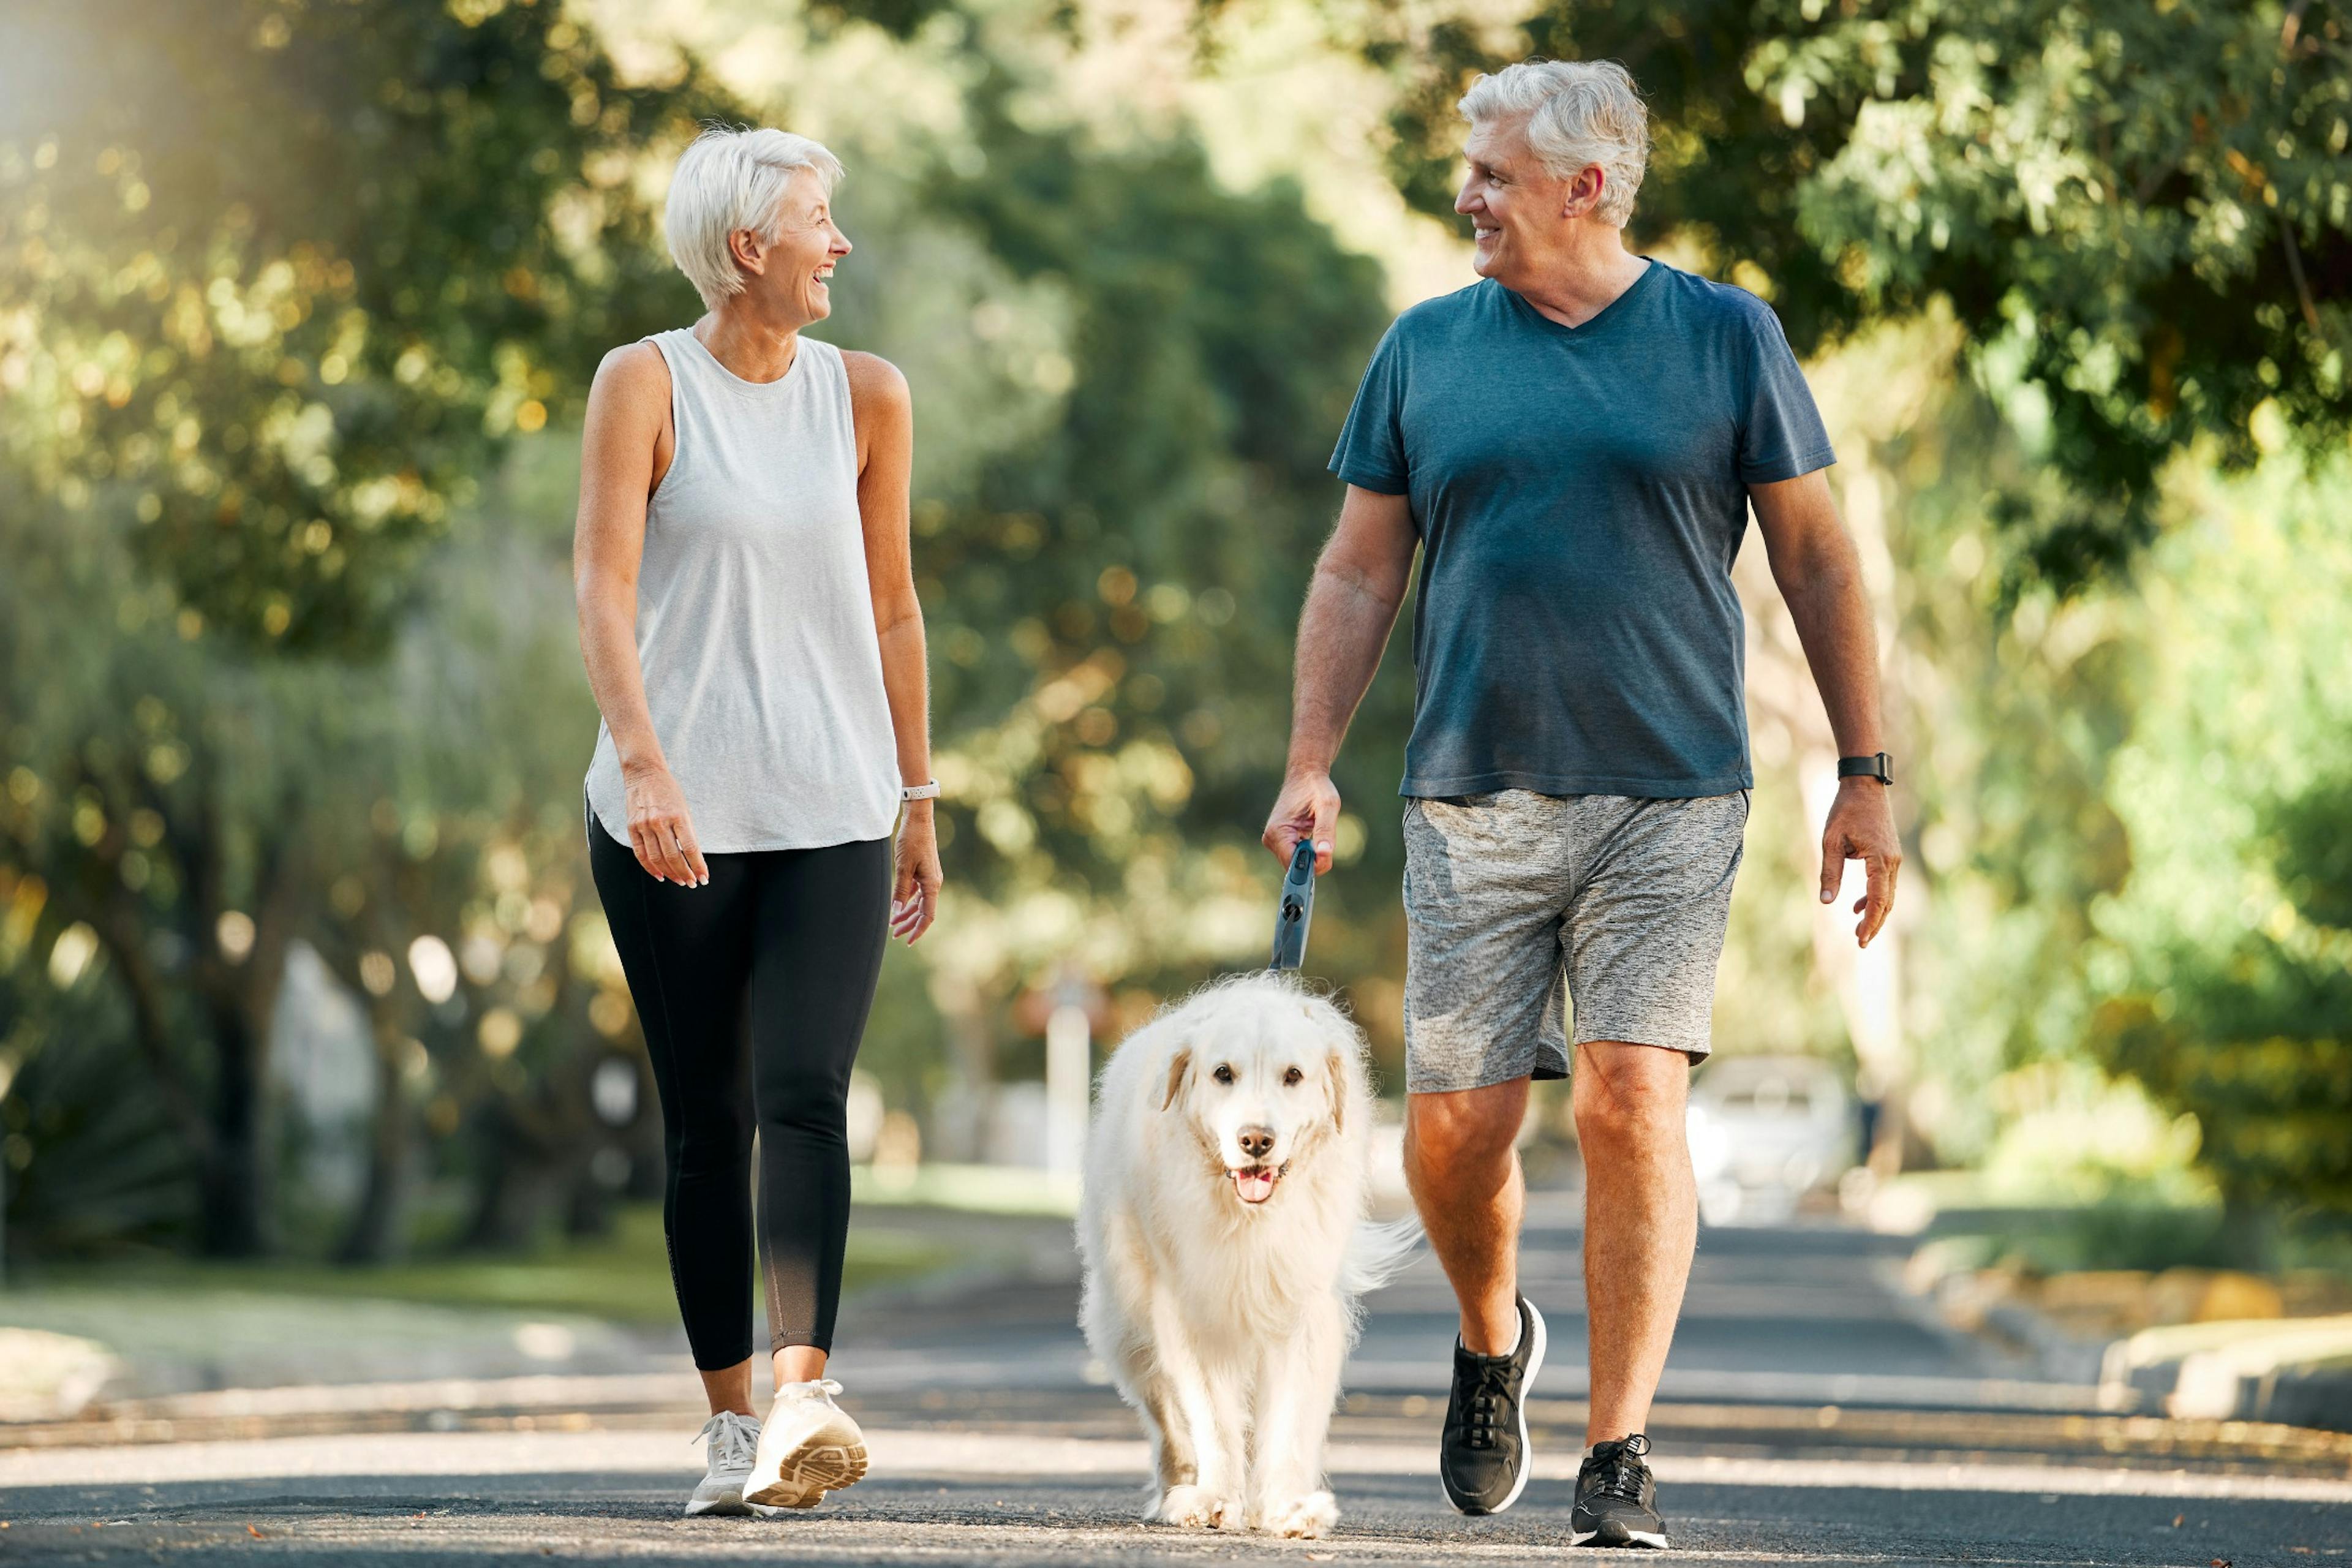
(1861, 828)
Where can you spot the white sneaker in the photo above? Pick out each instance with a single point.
(733, 1443)
(808, 1447)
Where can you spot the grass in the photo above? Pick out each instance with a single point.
(621, 1277)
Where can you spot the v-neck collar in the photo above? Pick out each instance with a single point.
(1651, 269)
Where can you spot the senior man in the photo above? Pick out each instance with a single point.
(1574, 443)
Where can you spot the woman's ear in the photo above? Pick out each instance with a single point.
(1178, 1066)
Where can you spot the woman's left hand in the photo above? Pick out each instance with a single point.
(915, 897)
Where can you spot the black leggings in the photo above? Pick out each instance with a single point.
(753, 991)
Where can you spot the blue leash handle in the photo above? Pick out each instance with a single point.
(1297, 907)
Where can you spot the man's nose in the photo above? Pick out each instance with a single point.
(1257, 1142)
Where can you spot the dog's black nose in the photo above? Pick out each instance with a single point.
(1257, 1142)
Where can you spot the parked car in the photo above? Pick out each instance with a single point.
(1764, 1133)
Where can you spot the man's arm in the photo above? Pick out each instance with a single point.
(1820, 575)
(1359, 581)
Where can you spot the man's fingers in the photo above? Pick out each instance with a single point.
(1326, 822)
(1832, 866)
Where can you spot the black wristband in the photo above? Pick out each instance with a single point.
(1879, 766)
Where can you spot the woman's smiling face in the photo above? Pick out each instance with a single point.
(793, 278)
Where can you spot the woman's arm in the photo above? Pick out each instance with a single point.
(623, 453)
(885, 414)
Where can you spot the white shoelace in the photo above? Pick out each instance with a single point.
(823, 1385)
(738, 1438)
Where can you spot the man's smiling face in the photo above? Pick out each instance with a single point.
(1514, 205)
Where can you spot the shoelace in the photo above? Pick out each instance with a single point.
(1489, 1390)
(1617, 1468)
(823, 1385)
(738, 1438)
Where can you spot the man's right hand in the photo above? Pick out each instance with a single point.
(1308, 806)
(660, 830)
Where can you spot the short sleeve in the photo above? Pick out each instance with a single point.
(1371, 454)
(1780, 432)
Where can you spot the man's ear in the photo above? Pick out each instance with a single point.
(1178, 1066)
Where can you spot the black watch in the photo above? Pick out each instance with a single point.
(1879, 766)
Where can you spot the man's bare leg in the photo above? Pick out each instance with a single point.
(1641, 1222)
(1462, 1165)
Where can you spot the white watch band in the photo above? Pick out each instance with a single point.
(920, 792)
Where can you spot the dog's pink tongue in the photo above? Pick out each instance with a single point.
(1254, 1185)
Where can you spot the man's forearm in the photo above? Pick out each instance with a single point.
(1341, 633)
(1834, 622)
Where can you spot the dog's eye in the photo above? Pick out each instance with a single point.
(1223, 1073)
(1293, 1078)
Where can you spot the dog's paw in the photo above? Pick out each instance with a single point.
(1307, 1516)
(1193, 1508)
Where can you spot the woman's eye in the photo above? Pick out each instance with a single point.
(1224, 1074)
(1293, 1078)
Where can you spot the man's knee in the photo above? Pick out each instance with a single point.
(1466, 1129)
(1630, 1095)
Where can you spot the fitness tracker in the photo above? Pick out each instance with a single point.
(920, 792)
(1879, 766)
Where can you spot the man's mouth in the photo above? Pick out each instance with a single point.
(1255, 1184)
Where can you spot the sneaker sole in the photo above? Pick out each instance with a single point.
(1526, 1459)
(727, 1507)
(1633, 1538)
(806, 1474)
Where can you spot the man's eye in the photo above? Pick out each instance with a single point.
(1223, 1073)
(1293, 1078)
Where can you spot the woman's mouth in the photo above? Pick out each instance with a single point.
(1255, 1184)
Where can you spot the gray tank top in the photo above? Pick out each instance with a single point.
(755, 626)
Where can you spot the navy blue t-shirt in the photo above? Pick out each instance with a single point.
(1581, 493)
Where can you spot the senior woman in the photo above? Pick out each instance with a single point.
(749, 620)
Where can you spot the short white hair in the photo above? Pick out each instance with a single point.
(731, 179)
(1578, 113)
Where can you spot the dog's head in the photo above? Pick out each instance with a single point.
(1264, 1074)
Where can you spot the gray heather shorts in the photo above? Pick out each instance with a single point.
(1519, 904)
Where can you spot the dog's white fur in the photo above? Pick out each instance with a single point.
(1224, 1321)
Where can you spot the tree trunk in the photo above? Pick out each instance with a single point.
(234, 1185)
(375, 1235)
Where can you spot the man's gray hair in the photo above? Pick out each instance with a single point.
(728, 180)
(1578, 113)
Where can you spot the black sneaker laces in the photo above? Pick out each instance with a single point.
(1618, 1468)
(1489, 1390)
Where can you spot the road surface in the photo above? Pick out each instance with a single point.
(1811, 1414)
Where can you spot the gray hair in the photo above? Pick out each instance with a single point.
(728, 180)
(1578, 113)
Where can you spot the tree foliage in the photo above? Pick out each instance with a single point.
(287, 274)
(2140, 214)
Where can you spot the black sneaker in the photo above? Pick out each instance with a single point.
(1616, 1499)
(1482, 1457)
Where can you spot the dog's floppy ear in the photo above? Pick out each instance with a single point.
(1335, 1084)
(1178, 1066)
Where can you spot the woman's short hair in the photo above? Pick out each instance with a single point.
(731, 179)
(1578, 113)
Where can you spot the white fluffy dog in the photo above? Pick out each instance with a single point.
(1224, 1240)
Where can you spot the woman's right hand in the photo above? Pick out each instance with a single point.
(660, 831)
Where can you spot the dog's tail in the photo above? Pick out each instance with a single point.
(1377, 1254)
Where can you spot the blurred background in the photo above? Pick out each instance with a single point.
(304, 994)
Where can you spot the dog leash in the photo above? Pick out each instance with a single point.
(1296, 909)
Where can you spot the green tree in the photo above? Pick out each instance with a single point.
(281, 282)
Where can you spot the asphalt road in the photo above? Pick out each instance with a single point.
(1811, 1415)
